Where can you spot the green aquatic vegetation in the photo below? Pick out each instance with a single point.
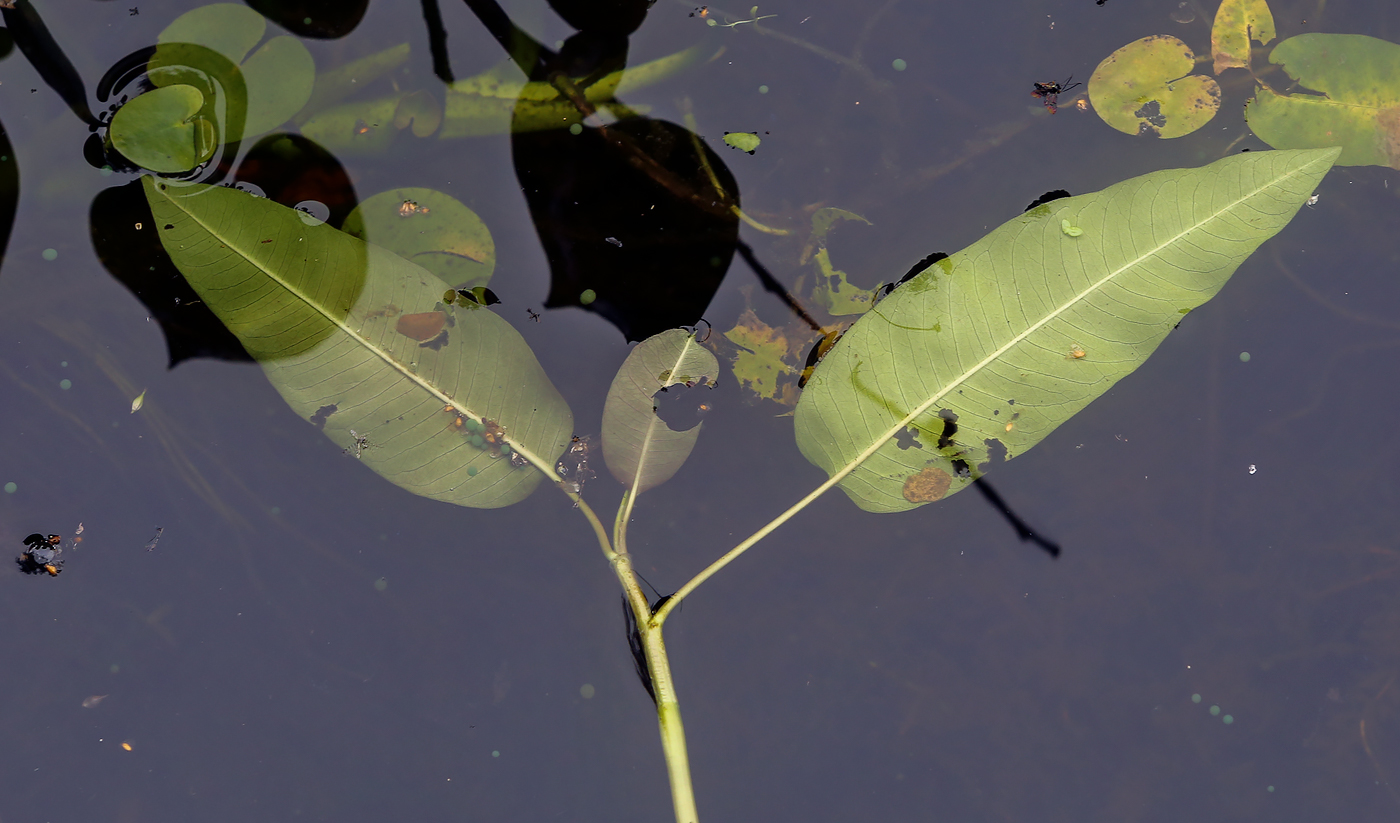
(431, 228)
(1147, 88)
(1236, 23)
(162, 130)
(278, 76)
(1020, 319)
(1352, 98)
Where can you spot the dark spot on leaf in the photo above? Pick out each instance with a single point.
(996, 454)
(927, 486)
(436, 343)
(1049, 196)
(1153, 119)
(169, 225)
(908, 438)
(950, 428)
(681, 406)
(423, 326)
(322, 415)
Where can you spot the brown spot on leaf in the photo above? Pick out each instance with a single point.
(1388, 130)
(927, 486)
(423, 326)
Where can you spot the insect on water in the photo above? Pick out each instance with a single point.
(1050, 92)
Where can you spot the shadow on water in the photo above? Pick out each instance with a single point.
(308, 640)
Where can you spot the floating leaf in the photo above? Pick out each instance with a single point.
(1236, 22)
(278, 77)
(1358, 107)
(138, 402)
(160, 130)
(231, 29)
(983, 354)
(319, 310)
(745, 141)
(430, 228)
(1146, 88)
(641, 451)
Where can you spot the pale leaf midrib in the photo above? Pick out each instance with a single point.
(653, 422)
(967, 375)
(393, 364)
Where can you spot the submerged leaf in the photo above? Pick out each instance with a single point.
(641, 451)
(983, 354)
(760, 357)
(319, 310)
(278, 77)
(835, 293)
(1146, 88)
(430, 228)
(1358, 107)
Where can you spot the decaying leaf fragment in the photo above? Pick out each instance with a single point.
(759, 360)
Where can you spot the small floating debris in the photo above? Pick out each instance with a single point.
(151, 546)
(41, 554)
(138, 402)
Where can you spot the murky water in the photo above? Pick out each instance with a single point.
(308, 641)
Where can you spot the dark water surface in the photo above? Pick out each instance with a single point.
(309, 642)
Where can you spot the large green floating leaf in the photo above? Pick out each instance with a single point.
(1146, 88)
(1358, 107)
(430, 228)
(641, 451)
(356, 341)
(980, 356)
(160, 130)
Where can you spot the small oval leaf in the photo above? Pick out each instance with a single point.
(640, 449)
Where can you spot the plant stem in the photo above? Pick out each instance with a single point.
(660, 617)
(668, 708)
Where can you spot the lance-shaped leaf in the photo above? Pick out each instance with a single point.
(1236, 22)
(640, 449)
(1358, 107)
(980, 356)
(448, 404)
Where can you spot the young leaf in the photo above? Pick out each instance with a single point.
(640, 449)
(1235, 22)
(983, 354)
(342, 329)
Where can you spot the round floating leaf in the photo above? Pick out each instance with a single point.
(1146, 88)
(1358, 107)
(640, 449)
(321, 311)
(231, 29)
(277, 78)
(279, 75)
(430, 228)
(981, 355)
(159, 131)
